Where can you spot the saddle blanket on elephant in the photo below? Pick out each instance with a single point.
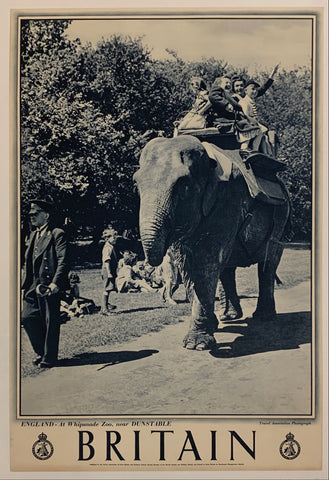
(265, 188)
(224, 163)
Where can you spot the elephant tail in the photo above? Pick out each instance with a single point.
(281, 229)
(287, 233)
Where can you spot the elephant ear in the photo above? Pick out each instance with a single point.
(211, 191)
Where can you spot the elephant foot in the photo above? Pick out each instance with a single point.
(199, 341)
(192, 346)
(231, 315)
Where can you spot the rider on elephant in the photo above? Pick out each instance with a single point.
(240, 114)
(216, 109)
(238, 85)
(266, 141)
(246, 94)
(228, 113)
(196, 117)
(225, 108)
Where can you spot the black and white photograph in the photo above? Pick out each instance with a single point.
(169, 181)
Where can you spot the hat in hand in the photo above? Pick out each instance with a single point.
(42, 290)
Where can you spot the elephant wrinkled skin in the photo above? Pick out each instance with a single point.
(213, 227)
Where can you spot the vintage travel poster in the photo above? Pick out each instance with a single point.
(168, 240)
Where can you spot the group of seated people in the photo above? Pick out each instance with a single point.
(133, 275)
(230, 103)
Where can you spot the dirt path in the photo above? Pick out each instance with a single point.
(154, 375)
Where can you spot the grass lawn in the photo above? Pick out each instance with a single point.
(141, 313)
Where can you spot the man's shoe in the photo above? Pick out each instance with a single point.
(37, 360)
(111, 307)
(46, 365)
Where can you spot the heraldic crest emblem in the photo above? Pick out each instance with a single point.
(42, 449)
(290, 448)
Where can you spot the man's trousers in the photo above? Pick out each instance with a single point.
(41, 320)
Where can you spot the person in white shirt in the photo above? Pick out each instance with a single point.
(265, 141)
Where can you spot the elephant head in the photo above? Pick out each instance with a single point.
(177, 187)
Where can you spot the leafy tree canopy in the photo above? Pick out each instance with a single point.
(84, 110)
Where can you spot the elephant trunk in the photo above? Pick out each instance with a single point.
(154, 230)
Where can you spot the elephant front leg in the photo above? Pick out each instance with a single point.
(202, 327)
(204, 321)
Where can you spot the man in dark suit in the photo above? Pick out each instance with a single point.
(224, 106)
(45, 275)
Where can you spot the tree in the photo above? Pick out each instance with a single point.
(84, 111)
(287, 107)
(39, 36)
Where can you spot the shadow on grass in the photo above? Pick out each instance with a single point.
(179, 301)
(107, 358)
(141, 309)
(247, 296)
(289, 331)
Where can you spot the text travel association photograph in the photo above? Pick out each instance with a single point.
(168, 185)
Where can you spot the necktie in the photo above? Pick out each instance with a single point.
(36, 241)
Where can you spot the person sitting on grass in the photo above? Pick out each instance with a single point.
(139, 269)
(151, 275)
(72, 304)
(128, 280)
(124, 254)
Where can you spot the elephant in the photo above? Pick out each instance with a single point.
(213, 227)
